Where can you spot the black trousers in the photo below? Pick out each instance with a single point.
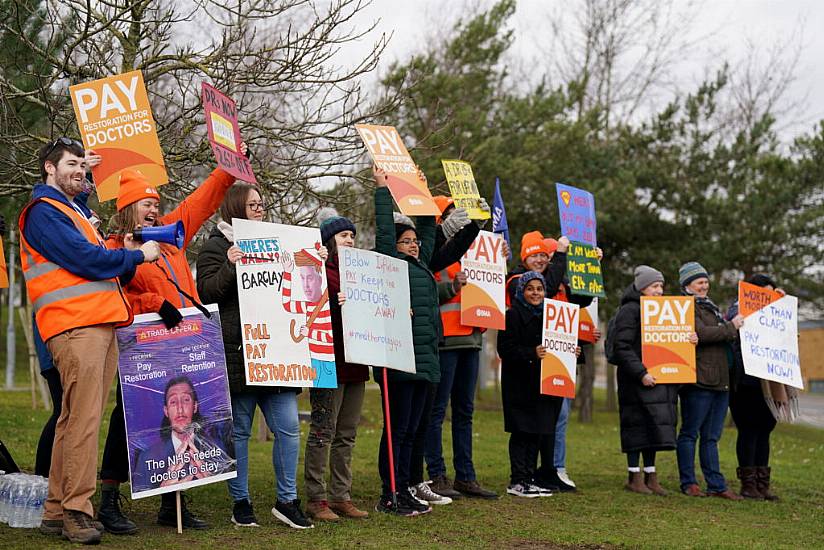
(405, 407)
(755, 423)
(523, 456)
(42, 461)
(115, 465)
(419, 444)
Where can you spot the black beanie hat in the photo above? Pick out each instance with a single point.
(759, 279)
(334, 225)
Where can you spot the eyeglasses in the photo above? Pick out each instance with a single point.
(65, 142)
(256, 206)
(407, 242)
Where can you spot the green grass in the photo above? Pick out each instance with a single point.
(600, 515)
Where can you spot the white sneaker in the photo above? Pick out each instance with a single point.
(526, 490)
(425, 495)
(562, 475)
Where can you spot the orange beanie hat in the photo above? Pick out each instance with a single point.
(533, 243)
(551, 243)
(133, 187)
(443, 202)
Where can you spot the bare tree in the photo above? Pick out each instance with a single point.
(283, 61)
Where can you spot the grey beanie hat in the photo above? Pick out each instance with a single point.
(645, 276)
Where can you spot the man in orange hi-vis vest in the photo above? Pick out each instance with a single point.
(74, 281)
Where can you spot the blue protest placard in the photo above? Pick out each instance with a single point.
(176, 403)
(576, 209)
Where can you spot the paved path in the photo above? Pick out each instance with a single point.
(812, 409)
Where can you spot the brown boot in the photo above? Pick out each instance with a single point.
(319, 510)
(79, 527)
(762, 483)
(749, 489)
(651, 481)
(347, 509)
(635, 483)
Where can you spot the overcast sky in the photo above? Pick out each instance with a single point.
(730, 24)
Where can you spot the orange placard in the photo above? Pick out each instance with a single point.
(751, 298)
(389, 153)
(483, 298)
(560, 338)
(588, 322)
(666, 325)
(4, 276)
(115, 120)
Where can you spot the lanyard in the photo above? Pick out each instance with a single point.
(174, 277)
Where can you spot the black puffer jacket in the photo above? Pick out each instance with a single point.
(217, 284)
(525, 409)
(648, 415)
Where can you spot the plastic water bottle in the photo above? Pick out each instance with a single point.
(5, 482)
(18, 503)
(34, 506)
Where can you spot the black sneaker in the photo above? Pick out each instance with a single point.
(387, 505)
(553, 481)
(406, 498)
(291, 514)
(243, 515)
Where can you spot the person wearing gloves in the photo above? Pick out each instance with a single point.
(335, 412)
(756, 406)
(459, 356)
(74, 283)
(413, 242)
(217, 283)
(647, 410)
(161, 288)
(704, 404)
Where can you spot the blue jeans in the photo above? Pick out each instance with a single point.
(702, 413)
(280, 410)
(459, 374)
(560, 434)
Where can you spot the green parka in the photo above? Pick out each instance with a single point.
(423, 291)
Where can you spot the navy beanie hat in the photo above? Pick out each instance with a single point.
(334, 225)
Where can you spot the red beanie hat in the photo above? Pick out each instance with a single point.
(133, 187)
(533, 243)
(551, 243)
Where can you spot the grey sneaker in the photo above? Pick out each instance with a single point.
(422, 492)
(526, 490)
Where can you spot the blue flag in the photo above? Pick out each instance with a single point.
(499, 224)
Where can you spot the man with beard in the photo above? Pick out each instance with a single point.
(73, 282)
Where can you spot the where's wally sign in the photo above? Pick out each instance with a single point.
(285, 319)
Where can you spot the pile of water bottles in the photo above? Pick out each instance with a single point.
(21, 499)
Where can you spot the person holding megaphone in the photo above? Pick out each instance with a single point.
(162, 288)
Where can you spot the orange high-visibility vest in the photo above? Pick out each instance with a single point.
(451, 310)
(61, 299)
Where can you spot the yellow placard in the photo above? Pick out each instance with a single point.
(666, 325)
(115, 120)
(389, 153)
(463, 188)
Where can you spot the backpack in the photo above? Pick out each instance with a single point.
(609, 343)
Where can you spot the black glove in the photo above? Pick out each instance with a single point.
(170, 315)
(2, 225)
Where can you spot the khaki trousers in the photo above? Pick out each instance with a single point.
(334, 425)
(86, 359)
